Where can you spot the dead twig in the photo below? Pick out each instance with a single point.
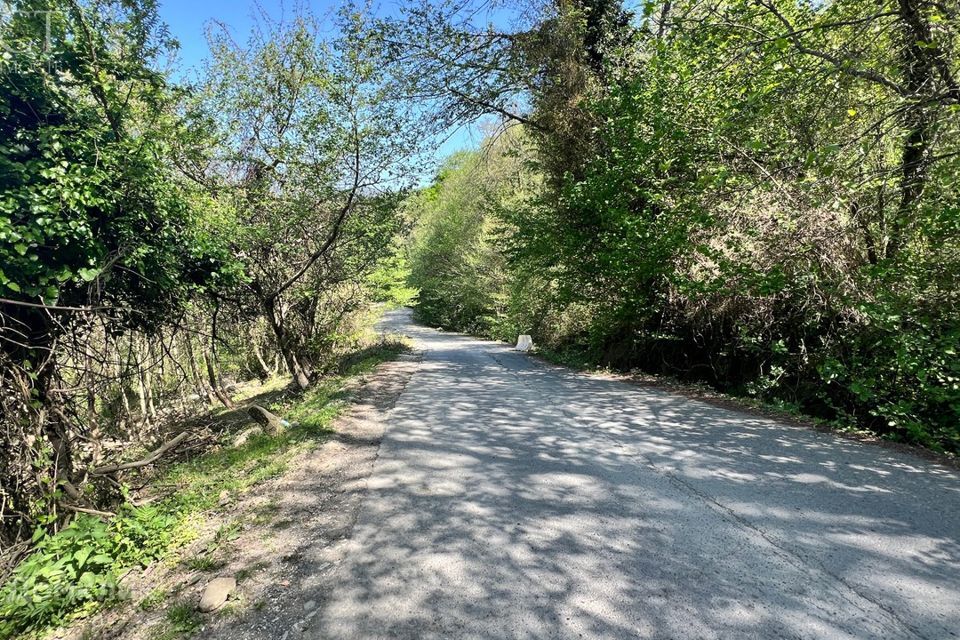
(151, 458)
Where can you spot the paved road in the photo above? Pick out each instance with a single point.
(517, 500)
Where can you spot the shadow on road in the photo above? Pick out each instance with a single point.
(516, 499)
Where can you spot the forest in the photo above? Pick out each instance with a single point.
(757, 195)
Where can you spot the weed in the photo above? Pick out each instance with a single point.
(204, 562)
(153, 599)
(76, 571)
(228, 532)
(184, 617)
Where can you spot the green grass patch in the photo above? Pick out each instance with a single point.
(204, 562)
(154, 599)
(75, 571)
(182, 618)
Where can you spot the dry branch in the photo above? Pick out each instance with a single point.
(152, 457)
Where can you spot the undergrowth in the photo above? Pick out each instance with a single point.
(74, 572)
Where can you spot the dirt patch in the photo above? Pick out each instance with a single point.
(281, 541)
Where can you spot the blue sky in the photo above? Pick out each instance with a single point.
(188, 20)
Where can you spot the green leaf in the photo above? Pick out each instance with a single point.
(81, 556)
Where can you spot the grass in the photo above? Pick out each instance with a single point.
(74, 572)
(204, 562)
(154, 599)
(265, 513)
(181, 618)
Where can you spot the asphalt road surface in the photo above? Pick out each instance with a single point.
(513, 499)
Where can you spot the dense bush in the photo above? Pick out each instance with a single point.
(721, 200)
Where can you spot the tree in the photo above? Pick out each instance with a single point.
(307, 163)
(761, 195)
(94, 228)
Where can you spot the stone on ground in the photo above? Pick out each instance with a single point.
(216, 593)
(270, 422)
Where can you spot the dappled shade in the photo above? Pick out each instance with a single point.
(516, 499)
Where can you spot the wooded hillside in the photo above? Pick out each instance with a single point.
(758, 195)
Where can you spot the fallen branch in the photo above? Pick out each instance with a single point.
(93, 512)
(152, 457)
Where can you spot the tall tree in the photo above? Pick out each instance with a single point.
(314, 144)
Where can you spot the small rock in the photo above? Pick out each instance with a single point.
(242, 437)
(216, 593)
(309, 605)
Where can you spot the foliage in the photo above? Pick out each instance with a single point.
(89, 205)
(80, 565)
(96, 236)
(455, 261)
(77, 569)
(388, 283)
(750, 194)
(313, 137)
(156, 239)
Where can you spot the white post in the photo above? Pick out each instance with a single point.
(524, 343)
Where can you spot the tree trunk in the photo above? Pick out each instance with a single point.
(128, 414)
(299, 374)
(264, 369)
(142, 392)
(920, 73)
(215, 383)
(201, 388)
(148, 377)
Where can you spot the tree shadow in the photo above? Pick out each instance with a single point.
(517, 500)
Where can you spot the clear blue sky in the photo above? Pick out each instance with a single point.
(188, 20)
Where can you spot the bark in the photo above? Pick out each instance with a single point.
(264, 369)
(202, 389)
(215, 383)
(142, 392)
(56, 429)
(148, 377)
(921, 61)
(289, 355)
(211, 358)
(148, 459)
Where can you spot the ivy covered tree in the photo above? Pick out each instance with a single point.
(94, 225)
